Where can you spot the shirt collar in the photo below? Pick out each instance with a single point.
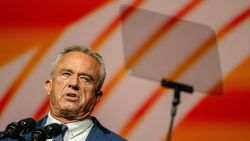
(74, 128)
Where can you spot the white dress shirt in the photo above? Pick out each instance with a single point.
(77, 131)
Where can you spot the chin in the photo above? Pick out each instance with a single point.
(69, 112)
(69, 108)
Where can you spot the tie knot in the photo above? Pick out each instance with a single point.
(64, 128)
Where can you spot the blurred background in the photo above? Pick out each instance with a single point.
(137, 108)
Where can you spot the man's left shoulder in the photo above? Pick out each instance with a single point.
(100, 132)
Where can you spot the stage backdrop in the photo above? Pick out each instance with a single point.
(137, 108)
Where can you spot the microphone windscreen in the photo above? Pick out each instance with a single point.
(27, 124)
(53, 130)
(12, 130)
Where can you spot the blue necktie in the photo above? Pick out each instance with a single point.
(60, 136)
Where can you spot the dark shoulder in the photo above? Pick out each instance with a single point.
(99, 132)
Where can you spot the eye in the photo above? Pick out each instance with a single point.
(66, 74)
(85, 79)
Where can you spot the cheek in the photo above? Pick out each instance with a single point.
(88, 92)
(88, 96)
(59, 85)
(57, 90)
(54, 96)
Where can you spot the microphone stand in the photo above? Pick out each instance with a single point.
(178, 88)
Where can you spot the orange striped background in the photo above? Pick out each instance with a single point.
(31, 33)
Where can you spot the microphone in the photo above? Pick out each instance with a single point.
(13, 130)
(27, 125)
(48, 132)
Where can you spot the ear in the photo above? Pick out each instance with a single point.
(48, 86)
(98, 95)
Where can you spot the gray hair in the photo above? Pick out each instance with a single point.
(88, 51)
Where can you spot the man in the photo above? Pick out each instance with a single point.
(74, 89)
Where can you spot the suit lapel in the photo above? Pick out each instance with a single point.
(98, 132)
(42, 122)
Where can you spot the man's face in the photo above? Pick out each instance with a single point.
(72, 89)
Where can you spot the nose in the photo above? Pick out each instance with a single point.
(74, 82)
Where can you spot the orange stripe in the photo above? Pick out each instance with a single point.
(193, 58)
(43, 109)
(226, 29)
(234, 23)
(144, 49)
(146, 106)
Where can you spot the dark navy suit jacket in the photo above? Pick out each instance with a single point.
(97, 132)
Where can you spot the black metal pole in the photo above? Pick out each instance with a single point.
(176, 101)
(178, 87)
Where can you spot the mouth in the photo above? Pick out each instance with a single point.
(71, 97)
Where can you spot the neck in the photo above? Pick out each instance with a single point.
(65, 118)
